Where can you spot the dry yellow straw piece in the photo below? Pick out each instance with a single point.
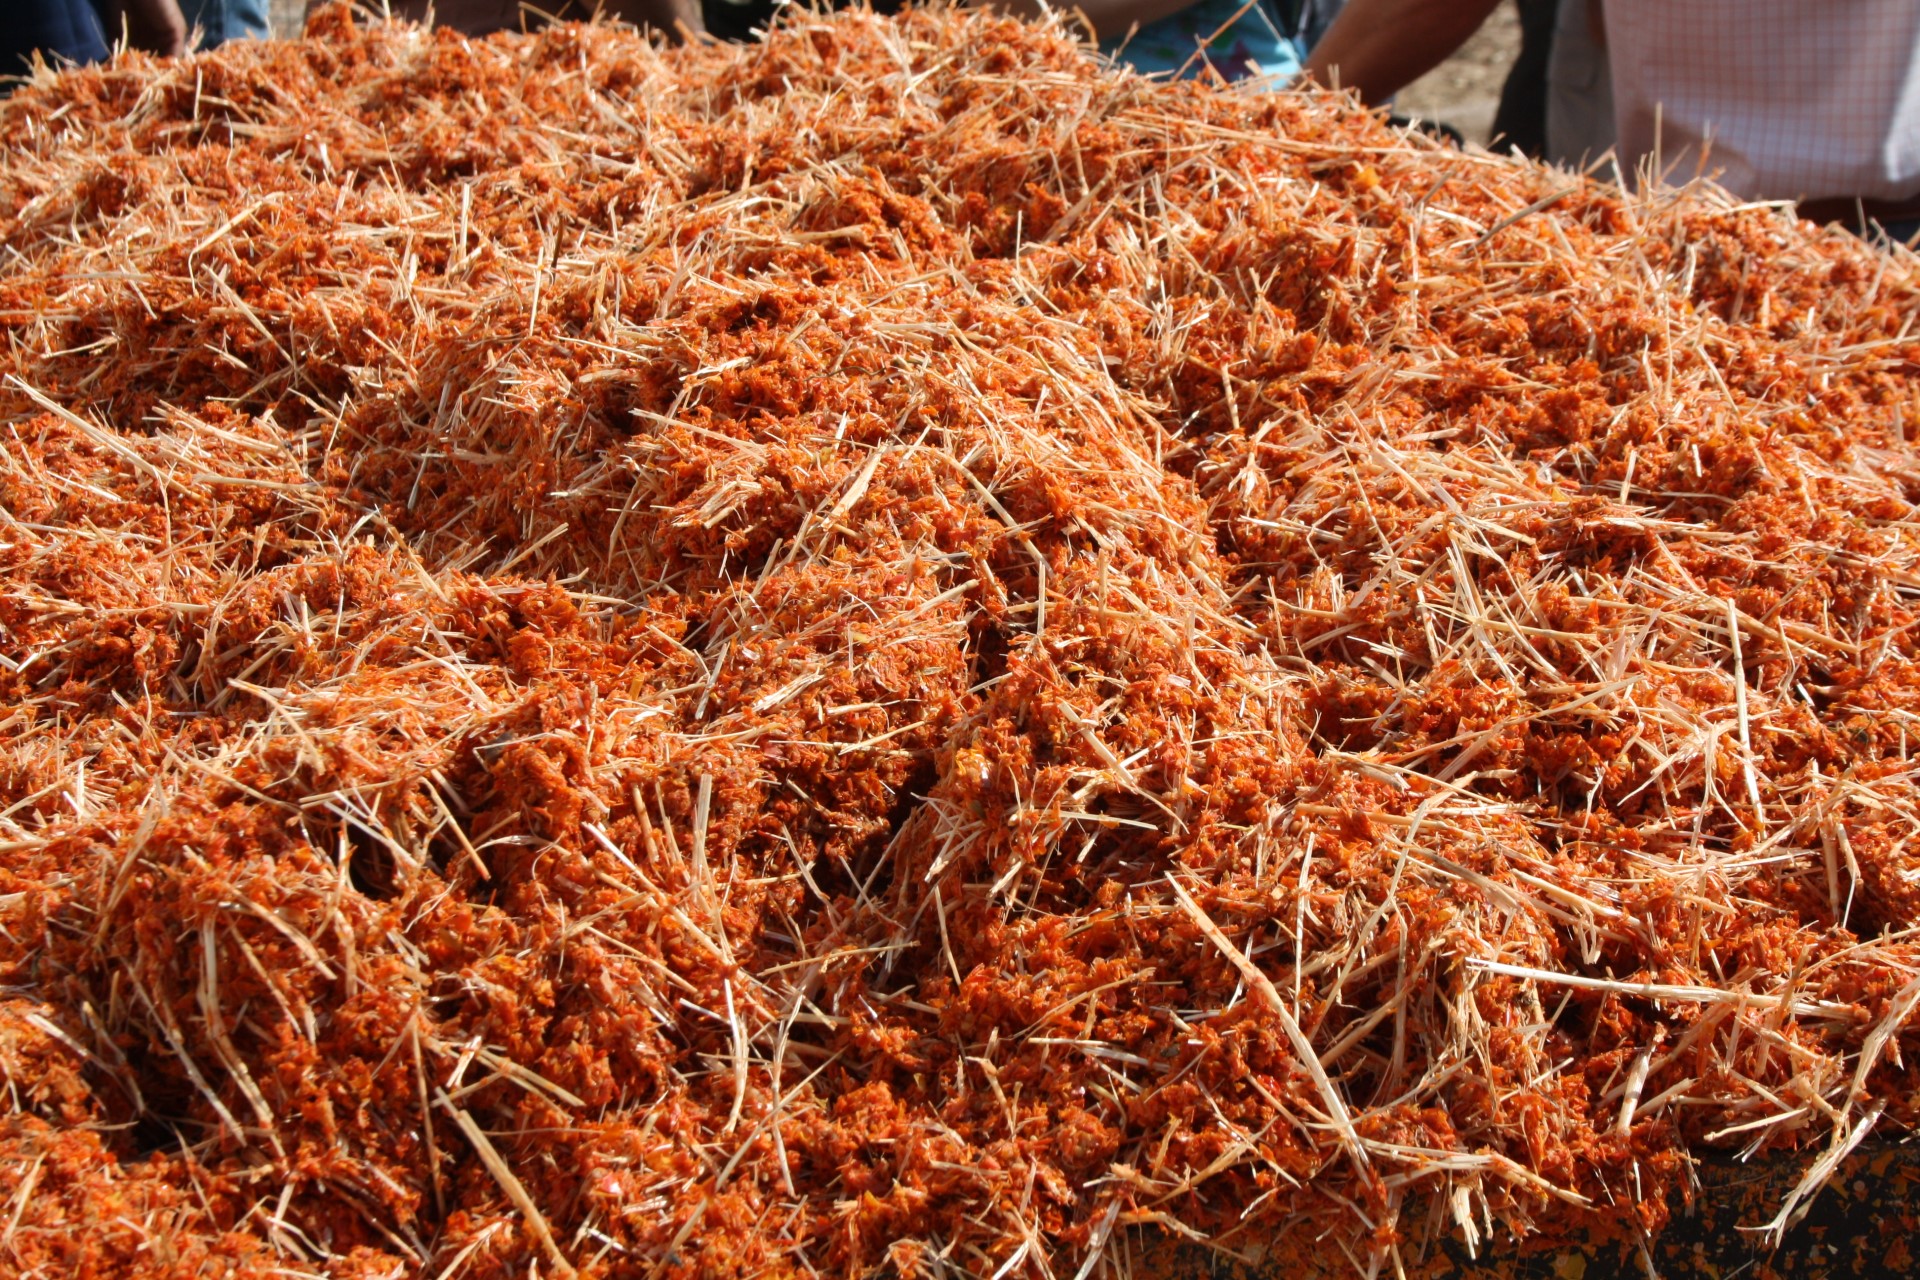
(516, 1192)
(1303, 1049)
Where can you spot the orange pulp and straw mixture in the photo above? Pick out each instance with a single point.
(893, 652)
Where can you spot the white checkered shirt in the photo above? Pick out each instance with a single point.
(1787, 99)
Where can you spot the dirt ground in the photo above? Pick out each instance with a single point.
(286, 16)
(1462, 91)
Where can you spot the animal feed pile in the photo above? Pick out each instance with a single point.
(892, 653)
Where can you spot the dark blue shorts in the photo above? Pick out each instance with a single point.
(59, 29)
(1900, 231)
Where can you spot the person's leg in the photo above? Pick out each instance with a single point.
(59, 30)
(468, 17)
(1521, 120)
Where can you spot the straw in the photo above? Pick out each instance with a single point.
(894, 647)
